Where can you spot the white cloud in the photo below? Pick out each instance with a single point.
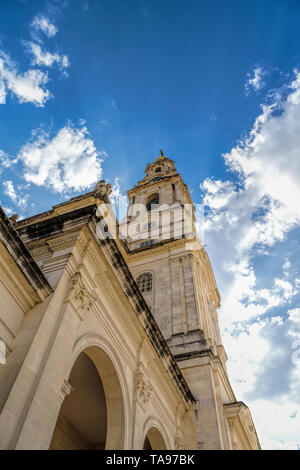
(28, 87)
(255, 81)
(261, 206)
(246, 217)
(262, 369)
(115, 192)
(2, 92)
(286, 267)
(68, 161)
(9, 190)
(285, 289)
(272, 444)
(218, 193)
(5, 161)
(42, 23)
(46, 58)
(8, 211)
(118, 200)
(294, 316)
(65, 61)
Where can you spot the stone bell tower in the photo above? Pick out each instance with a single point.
(174, 274)
(179, 285)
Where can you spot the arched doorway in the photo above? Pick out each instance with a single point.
(154, 440)
(92, 416)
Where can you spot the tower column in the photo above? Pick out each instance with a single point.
(190, 301)
(179, 318)
(177, 196)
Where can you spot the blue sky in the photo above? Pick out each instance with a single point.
(93, 89)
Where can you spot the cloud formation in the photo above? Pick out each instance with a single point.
(67, 161)
(28, 87)
(248, 217)
(10, 191)
(5, 161)
(37, 48)
(255, 81)
(46, 58)
(263, 373)
(41, 23)
(260, 204)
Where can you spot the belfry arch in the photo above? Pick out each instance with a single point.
(92, 416)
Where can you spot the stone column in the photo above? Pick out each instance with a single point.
(177, 194)
(179, 318)
(199, 374)
(203, 305)
(190, 300)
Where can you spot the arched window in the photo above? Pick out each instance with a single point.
(153, 202)
(144, 282)
(158, 170)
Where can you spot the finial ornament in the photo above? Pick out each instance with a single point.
(102, 190)
(162, 156)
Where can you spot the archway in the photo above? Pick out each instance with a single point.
(92, 416)
(152, 202)
(154, 440)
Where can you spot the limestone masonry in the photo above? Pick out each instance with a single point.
(110, 330)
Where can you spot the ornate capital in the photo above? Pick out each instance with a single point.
(178, 442)
(142, 386)
(187, 258)
(80, 296)
(181, 259)
(65, 390)
(174, 261)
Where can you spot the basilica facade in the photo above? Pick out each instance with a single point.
(109, 330)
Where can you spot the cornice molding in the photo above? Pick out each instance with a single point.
(60, 209)
(14, 282)
(23, 260)
(163, 247)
